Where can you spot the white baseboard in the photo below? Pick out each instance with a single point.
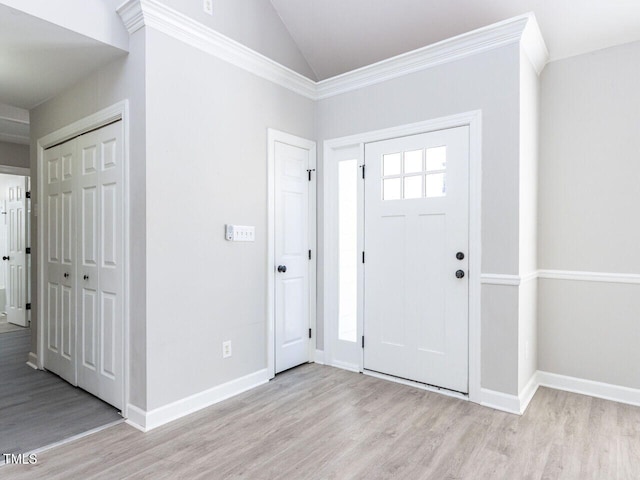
(319, 357)
(136, 417)
(605, 391)
(500, 401)
(146, 421)
(33, 361)
(528, 392)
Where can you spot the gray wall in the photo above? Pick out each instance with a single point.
(207, 166)
(254, 23)
(490, 82)
(120, 80)
(588, 210)
(14, 155)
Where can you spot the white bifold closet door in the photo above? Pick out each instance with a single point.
(85, 277)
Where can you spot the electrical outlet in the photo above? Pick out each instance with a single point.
(207, 6)
(226, 349)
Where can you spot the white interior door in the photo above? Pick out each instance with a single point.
(59, 251)
(100, 269)
(416, 244)
(16, 253)
(292, 319)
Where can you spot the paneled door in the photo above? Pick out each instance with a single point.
(84, 269)
(292, 319)
(59, 251)
(16, 257)
(416, 247)
(100, 263)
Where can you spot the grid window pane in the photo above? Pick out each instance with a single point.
(436, 185)
(413, 186)
(391, 189)
(436, 158)
(413, 162)
(391, 164)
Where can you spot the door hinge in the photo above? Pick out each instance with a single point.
(309, 333)
(309, 172)
(28, 194)
(309, 254)
(363, 166)
(362, 341)
(362, 257)
(28, 250)
(27, 306)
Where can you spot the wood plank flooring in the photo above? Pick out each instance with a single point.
(5, 326)
(38, 408)
(318, 422)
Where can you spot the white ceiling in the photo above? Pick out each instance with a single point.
(39, 59)
(337, 36)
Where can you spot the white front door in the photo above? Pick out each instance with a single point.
(416, 246)
(16, 258)
(292, 319)
(100, 266)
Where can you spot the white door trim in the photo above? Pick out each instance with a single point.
(11, 170)
(274, 136)
(118, 111)
(330, 240)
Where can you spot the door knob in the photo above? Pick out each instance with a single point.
(460, 256)
(66, 275)
(5, 257)
(282, 268)
(459, 274)
(86, 277)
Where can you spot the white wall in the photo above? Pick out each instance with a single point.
(490, 82)
(588, 209)
(95, 19)
(254, 23)
(120, 80)
(14, 155)
(207, 166)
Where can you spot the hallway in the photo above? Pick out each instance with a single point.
(38, 408)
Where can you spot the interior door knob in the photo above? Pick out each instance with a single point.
(66, 275)
(460, 256)
(282, 268)
(459, 274)
(86, 277)
(5, 257)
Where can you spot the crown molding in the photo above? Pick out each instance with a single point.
(471, 43)
(523, 29)
(533, 45)
(150, 13)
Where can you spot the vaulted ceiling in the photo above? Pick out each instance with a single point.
(336, 36)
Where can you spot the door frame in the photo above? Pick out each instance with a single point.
(113, 113)
(331, 148)
(274, 136)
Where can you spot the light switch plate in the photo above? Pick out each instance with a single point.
(240, 233)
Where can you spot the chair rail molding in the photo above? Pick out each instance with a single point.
(522, 29)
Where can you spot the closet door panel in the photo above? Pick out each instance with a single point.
(59, 247)
(101, 273)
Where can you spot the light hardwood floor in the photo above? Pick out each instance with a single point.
(318, 422)
(38, 408)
